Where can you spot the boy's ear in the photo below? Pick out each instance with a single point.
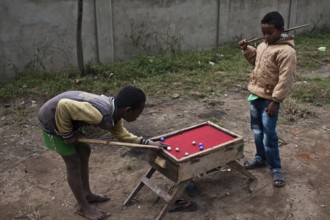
(127, 109)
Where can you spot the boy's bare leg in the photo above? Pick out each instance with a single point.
(84, 154)
(84, 209)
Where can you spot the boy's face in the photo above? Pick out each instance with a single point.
(271, 34)
(132, 114)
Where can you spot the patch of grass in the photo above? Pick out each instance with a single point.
(202, 71)
(225, 58)
(308, 55)
(193, 72)
(130, 167)
(45, 85)
(20, 114)
(17, 113)
(291, 111)
(37, 85)
(313, 90)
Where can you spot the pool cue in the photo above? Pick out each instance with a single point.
(159, 161)
(286, 30)
(115, 143)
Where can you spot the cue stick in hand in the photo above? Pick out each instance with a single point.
(286, 30)
(97, 141)
(159, 161)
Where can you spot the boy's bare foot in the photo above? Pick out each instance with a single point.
(97, 198)
(91, 213)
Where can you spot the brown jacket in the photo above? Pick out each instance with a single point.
(274, 71)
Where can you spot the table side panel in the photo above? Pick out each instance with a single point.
(199, 165)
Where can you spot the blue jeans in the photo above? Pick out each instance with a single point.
(265, 134)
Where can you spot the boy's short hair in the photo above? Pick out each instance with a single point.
(130, 96)
(273, 18)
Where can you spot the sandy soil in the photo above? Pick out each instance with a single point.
(33, 180)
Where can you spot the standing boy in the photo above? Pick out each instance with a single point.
(63, 115)
(271, 80)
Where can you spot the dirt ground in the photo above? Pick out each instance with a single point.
(33, 180)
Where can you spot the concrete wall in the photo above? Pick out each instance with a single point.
(41, 33)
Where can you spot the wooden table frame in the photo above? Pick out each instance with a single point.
(176, 191)
(207, 162)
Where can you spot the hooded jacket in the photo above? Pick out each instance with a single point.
(274, 68)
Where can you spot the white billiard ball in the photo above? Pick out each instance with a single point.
(168, 148)
(186, 154)
(177, 149)
(194, 142)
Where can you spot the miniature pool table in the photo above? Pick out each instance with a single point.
(219, 146)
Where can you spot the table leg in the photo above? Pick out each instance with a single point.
(170, 192)
(177, 191)
(237, 166)
(139, 186)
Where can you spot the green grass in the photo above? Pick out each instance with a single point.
(292, 110)
(314, 90)
(203, 72)
(308, 56)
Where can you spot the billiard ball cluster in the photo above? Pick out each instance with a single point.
(201, 146)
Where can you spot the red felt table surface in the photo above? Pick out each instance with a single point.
(207, 135)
